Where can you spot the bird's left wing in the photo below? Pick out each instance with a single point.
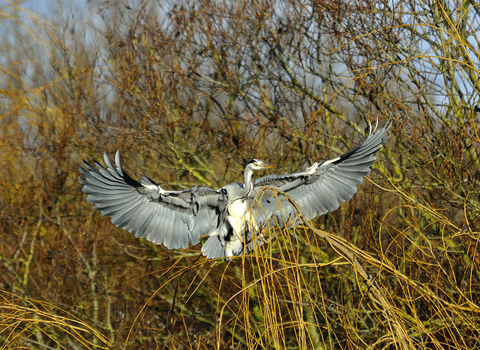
(171, 218)
(321, 188)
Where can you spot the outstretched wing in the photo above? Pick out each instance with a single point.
(322, 187)
(171, 218)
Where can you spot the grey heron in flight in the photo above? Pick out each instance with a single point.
(231, 215)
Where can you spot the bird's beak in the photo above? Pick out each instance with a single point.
(268, 166)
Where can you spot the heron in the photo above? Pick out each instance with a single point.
(232, 216)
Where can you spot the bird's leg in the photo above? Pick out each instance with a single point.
(250, 243)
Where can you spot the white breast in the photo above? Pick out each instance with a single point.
(238, 215)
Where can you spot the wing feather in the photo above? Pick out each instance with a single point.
(324, 188)
(171, 218)
(145, 225)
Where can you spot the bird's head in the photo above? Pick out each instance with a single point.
(257, 165)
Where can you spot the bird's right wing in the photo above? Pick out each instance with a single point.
(321, 188)
(171, 218)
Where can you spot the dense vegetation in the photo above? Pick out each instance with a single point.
(190, 91)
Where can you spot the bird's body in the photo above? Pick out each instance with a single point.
(231, 215)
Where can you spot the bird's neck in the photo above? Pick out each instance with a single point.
(248, 181)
